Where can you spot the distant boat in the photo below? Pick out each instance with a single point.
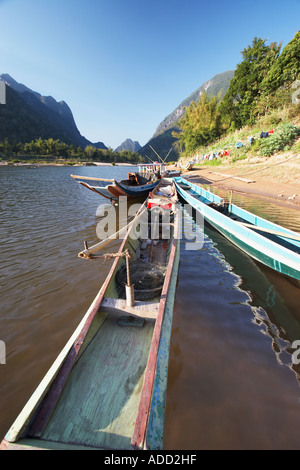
(138, 184)
(188, 166)
(172, 173)
(266, 242)
(107, 387)
(148, 168)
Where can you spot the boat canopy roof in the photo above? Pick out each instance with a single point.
(151, 167)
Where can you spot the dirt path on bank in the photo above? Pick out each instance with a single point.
(276, 178)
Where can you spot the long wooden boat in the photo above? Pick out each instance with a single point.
(266, 242)
(106, 389)
(138, 184)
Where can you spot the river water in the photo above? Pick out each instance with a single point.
(232, 383)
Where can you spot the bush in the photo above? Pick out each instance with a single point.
(238, 158)
(214, 162)
(281, 140)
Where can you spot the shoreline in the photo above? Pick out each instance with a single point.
(83, 164)
(277, 181)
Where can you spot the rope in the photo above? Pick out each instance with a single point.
(107, 256)
(117, 255)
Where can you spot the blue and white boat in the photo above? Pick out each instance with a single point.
(266, 242)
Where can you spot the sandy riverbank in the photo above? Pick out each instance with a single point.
(276, 178)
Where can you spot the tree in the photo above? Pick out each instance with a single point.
(89, 151)
(200, 125)
(285, 70)
(245, 87)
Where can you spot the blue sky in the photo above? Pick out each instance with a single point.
(124, 65)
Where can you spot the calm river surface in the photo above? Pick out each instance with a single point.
(232, 384)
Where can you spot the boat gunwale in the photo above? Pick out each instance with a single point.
(248, 236)
(239, 209)
(139, 189)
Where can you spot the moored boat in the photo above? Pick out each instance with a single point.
(266, 242)
(188, 166)
(137, 184)
(172, 173)
(106, 389)
(161, 168)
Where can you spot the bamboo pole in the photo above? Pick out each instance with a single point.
(92, 178)
(156, 153)
(87, 252)
(168, 154)
(232, 176)
(150, 159)
(129, 288)
(230, 202)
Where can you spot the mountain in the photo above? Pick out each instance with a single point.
(129, 145)
(218, 84)
(28, 115)
(162, 140)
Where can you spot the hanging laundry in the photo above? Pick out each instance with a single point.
(263, 135)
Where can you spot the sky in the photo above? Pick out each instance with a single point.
(123, 65)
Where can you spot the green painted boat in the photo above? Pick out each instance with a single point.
(107, 387)
(269, 243)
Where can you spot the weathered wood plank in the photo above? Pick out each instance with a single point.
(139, 436)
(155, 429)
(95, 409)
(91, 178)
(140, 309)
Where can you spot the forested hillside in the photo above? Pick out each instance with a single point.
(265, 80)
(163, 139)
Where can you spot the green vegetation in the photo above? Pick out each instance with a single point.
(262, 92)
(200, 125)
(282, 140)
(247, 144)
(50, 150)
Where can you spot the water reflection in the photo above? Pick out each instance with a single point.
(284, 215)
(231, 353)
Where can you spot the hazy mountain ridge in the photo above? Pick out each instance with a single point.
(130, 145)
(218, 84)
(48, 117)
(162, 140)
(28, 115)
